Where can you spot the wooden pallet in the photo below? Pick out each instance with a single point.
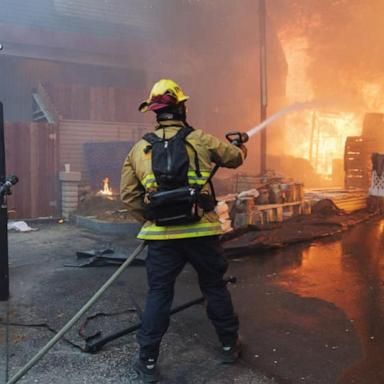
(280, 212)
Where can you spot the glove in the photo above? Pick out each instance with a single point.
(244, 149)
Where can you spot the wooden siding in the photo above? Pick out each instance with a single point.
(74, 134)
(138, 13)
(92, 17)
(94, 103)
(35, 152)
(20, 77)
(31, 154)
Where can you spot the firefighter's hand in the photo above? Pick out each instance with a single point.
(244, 149)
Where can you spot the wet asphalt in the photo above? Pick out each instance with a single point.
(310, 313)
(315, 313)
(46, 293)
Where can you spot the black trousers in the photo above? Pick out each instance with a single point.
(166, 259)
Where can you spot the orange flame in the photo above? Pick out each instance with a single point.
(106, 191)
(318, 136)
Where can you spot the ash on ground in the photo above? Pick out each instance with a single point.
(104, 208)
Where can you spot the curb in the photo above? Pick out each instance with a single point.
(108, 228)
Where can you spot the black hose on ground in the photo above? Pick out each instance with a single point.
(77, 317)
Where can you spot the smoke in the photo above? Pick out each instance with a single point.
(343, 41)
(317, 50)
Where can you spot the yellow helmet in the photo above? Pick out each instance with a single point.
(164, 93)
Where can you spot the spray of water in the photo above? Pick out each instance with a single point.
(282, 112)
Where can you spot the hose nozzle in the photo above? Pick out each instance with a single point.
(237, 138)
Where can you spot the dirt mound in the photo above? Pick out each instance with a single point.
(326, 207)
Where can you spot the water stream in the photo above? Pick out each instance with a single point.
(291, 108)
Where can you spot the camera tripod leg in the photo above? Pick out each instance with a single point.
(4, 273)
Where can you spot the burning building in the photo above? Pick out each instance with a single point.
(73, 73)
(331, 59)
(76, 70)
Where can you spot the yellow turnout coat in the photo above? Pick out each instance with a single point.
(137, 179)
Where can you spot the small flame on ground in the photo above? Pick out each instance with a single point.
(106, 191)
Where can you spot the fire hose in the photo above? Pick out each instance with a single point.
(236, 138)
(77, 317)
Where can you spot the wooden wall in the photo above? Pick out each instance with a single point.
(94, 103)
(31, 154)
(75, 133)
(20, 77)
(36, 152)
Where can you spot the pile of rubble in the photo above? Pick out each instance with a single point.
(262, 201)
(255, 216)
(103, 208)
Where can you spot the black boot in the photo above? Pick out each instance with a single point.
(147, 370)
(231, 353)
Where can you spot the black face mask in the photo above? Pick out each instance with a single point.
(173, 112)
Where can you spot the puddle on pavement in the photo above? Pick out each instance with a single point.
(319, 306)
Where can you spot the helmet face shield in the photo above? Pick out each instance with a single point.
(164, 93)
(162, 101)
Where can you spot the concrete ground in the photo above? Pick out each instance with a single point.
(45, 293)
(309, 313)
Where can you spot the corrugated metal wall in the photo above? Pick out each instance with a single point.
(73, 134)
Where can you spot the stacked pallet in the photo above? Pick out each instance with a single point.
(355, 164)
(376, 191)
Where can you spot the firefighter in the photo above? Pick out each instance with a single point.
(171, 244)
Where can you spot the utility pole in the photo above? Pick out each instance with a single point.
(4, 274)
(263, 84)
(313, 128)
(317, 148)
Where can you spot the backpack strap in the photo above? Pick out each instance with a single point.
(196, 156)
(152, 138)
(182, 134)
(212, 189)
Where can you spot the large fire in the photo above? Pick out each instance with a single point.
(316, 135)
